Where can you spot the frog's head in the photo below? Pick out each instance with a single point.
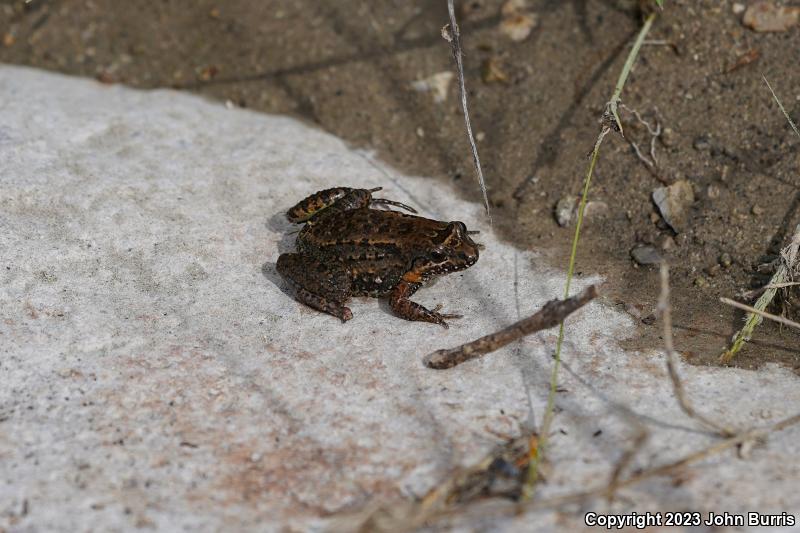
(451, 250)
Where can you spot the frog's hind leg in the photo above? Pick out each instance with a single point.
(343, 198)
(405, 308)
(337, 199)
(320, 285)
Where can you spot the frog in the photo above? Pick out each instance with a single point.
(353, 244)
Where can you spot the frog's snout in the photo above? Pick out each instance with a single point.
(469, 253)
(464, 247)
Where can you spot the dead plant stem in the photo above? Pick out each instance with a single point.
(455, 44)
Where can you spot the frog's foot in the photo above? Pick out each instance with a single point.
(405, 308)
(325, 287)
(318, 302)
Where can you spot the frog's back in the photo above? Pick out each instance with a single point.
(371, 227)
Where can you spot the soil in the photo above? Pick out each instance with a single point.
(348, 66)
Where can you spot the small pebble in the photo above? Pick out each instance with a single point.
(700, 282)
(492, 72)
(517, 20)
(713, 270)
(668, 137)
(767, 16)
(673, 203)
(702, 144)
(725, 260)
(595, 209)
(668, 243)
(438, 85)
(757, 210)
(646, 255)
(564, 210)
(713, 192)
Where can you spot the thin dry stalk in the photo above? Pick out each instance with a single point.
(782, 285)
(672, 358)
(627, 458)
(453, 36)
(750, 309)
(650, 161)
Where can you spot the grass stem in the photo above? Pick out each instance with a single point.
(538, 454)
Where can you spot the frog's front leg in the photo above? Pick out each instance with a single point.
(405, 308)
(321, 285)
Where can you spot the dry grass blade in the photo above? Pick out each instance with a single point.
(782, 274)
(610, 120)
(780, 105)
(672, 358)
(750, 309)
(454, 37)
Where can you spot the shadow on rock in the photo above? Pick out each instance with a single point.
(270, 272)
(277, 223)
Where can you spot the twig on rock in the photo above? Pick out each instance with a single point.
(553, 313)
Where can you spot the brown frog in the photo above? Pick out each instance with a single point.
(348, 249)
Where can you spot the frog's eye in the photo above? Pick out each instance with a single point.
(439, 257)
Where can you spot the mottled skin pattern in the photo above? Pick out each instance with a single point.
(347, 249)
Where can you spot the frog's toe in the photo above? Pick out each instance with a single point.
(441, 316)
(346, 314)
(445, 315)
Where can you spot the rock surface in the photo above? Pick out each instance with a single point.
(156, 374)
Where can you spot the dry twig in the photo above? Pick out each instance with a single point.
(672, 358)
(553, 313)
(650, 161)
(453, 36)
(627, 458)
